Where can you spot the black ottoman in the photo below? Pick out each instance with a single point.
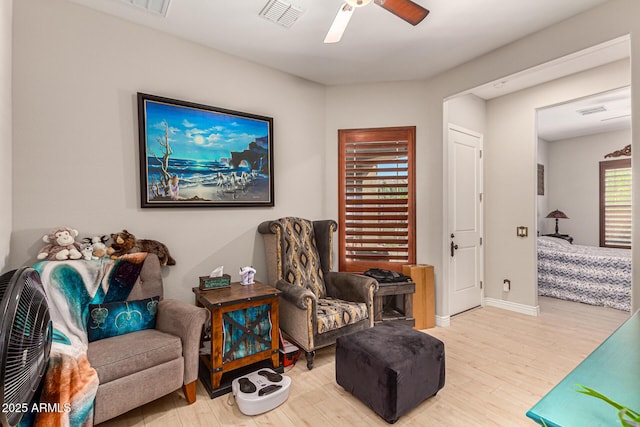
(391, 368)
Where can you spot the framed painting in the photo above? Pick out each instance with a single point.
(540, 180)
(194, 155)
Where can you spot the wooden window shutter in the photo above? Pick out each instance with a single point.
(376, 198)
(615, 203)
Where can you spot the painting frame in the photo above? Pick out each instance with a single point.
(540, 179)
(195, 155)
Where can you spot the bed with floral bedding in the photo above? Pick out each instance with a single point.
(586, 274)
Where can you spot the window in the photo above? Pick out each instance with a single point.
(376, 198)
(615, 203)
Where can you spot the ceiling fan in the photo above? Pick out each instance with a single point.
(411, 12)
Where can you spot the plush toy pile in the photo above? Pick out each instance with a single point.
(62, 245)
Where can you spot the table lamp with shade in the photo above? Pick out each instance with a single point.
(557, 214)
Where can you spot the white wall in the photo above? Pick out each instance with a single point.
(403, 104)
(511, 176)
(5, 131)
(468, 111)
(574, 179)
(509, 202)
(509, 255)
(77, 57)
(76, 142)
(383, 105)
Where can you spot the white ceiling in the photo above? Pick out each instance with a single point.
(377, 46)
(563, 121)
(605, 112)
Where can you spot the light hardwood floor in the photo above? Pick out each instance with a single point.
(498, 365)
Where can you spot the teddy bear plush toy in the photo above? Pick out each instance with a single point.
(61, 245)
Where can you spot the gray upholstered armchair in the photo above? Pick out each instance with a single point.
(317, 305)
(137, 368)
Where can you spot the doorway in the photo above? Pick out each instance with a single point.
(572, 138)
(575, 140)
(509, 116)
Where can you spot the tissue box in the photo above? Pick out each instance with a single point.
(207, 282)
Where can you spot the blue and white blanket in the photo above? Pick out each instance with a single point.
(70, 383)
(587, 274)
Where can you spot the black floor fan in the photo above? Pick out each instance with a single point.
(25, 341)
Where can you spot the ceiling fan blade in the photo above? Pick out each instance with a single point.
(411, 12)
(339, 24)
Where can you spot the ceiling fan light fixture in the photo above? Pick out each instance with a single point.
(407, 10)
(339, 24)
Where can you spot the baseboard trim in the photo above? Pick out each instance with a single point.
(443, 321)
(513, 306)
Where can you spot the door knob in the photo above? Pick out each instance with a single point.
(454, 248)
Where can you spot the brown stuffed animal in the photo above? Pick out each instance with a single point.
(126, 243)
(121, 244)
(61, 245)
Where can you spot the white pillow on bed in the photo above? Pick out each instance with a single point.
(553, 242)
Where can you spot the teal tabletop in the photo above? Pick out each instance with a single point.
(613, 369)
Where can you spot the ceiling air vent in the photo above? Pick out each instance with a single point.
(157, 7)
(592, 110)
(281, 13)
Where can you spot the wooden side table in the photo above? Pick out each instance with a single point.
(244, 327)
(386, 312)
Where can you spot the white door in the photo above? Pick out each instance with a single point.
(465, 219)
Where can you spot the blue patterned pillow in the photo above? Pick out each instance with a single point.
(118, 318)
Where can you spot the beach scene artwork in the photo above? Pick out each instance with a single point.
(203, 156)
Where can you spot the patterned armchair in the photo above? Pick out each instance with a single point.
(317, 305)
